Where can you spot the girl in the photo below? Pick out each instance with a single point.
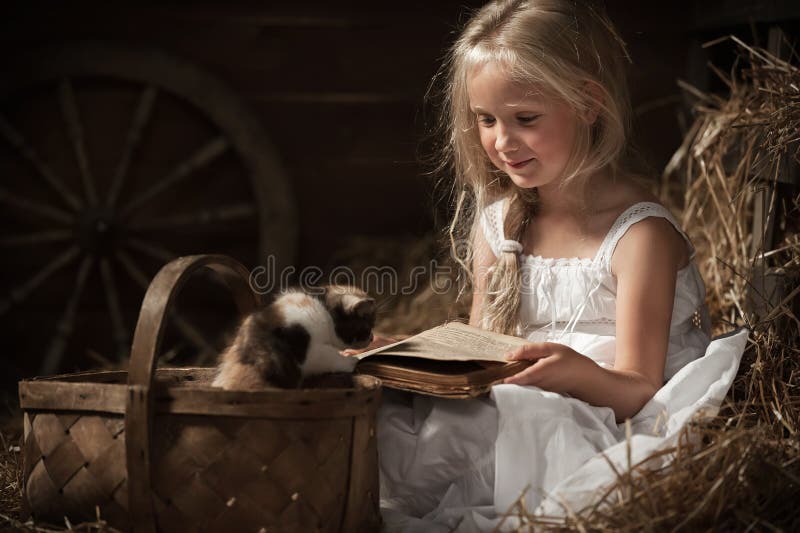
(565, 250)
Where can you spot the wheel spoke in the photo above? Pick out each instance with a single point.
(225, 213)
(140, 119)
(205, 155)
(38, 237)
(21, 293)
(133, 270)
(75, 131)
(66, 324)
(17, 141)
(189, 332)
(151, 249)
(119, 331)
(194, 336)
(32, 206)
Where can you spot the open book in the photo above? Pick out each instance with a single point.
(454, 360)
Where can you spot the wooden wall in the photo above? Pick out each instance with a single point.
(339, 88)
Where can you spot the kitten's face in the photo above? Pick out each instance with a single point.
(353, 314)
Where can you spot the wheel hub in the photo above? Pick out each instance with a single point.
(97, 232)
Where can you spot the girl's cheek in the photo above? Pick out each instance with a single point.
(537, 138)
(485, 137)
(488, 146)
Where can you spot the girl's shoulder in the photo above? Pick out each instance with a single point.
(641, 221)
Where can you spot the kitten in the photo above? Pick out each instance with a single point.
(297, 335)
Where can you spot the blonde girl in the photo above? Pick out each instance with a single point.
(538, 115)
(564, 249)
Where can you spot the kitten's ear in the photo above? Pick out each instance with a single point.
(365, 307)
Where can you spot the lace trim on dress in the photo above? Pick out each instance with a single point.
(635, 213)
(538, 260)
(492, 223)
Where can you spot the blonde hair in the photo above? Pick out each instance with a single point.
(562, 47)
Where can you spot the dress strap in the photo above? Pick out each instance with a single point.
(635, 213)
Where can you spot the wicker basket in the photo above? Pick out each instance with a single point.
(162, 450)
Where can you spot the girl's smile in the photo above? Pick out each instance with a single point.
(519, 164)
(526, 135)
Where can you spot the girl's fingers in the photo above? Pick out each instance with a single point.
(379, 341)
(534, 350)
(525, 377)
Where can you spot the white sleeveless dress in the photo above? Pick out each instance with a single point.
(460, 464)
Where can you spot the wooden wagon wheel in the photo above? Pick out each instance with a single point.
(115, 160)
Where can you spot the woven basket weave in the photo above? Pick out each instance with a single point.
(162, 450)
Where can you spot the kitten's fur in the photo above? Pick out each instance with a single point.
(297, 335)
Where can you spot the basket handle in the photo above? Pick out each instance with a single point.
(139, 411)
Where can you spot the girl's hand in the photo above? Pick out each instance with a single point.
(378, 341)
(557, 367)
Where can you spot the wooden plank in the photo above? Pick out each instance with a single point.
(361, 508)
(713, 14)
(318, 405)
(363, 194)
(319, 14)
(137, 451)
(331, 97)
(768, 286)
(61, 396)
(275, 396)
(284, 59)
(91, 376)
(51, 395)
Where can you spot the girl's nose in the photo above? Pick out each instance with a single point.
(504, 141)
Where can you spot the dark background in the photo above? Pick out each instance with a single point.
(339, 90)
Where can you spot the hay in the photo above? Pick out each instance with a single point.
(426, 294)
(10, 463)
(734, 480)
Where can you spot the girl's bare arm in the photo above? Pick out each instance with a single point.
(645, 263)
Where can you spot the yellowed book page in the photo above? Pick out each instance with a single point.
(453, 341)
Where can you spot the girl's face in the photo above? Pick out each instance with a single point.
(526, 136)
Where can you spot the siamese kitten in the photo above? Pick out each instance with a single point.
(297, 335)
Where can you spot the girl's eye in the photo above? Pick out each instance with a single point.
(527, 119)
(486, 120)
